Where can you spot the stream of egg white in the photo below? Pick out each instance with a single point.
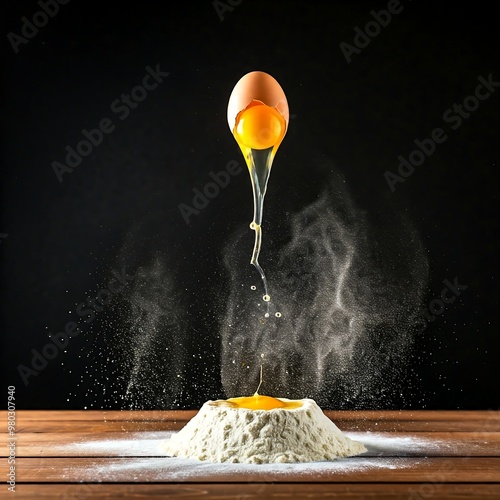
(261, 378)
(259, 164)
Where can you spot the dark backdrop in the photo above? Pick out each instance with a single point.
(61, 239)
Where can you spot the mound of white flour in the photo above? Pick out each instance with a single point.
(221, 433)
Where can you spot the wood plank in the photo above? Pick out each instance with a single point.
(443, 415)
(408, 491)
(109, 421)
(136, 444)
(101, 415)
(84, 426)
(104, 416)
(165, 470)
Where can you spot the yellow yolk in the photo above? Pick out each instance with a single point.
(258, 402)
(259, 127)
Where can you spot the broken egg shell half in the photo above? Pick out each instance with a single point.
(256, 86)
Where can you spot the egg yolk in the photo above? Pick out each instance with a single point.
(260, 127)
(258, 402)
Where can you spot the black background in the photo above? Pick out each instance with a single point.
(63, 238)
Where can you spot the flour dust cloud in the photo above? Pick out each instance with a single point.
(345, 288)
(345, 298)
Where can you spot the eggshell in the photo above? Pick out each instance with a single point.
(260, 86)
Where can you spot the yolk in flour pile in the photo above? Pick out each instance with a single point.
(258, 402)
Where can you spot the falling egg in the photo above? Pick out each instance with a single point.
(257, 112)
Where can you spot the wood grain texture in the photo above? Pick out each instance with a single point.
(284, 491)
(452, 444)
(108, 421)
(457, 491)
(114, 454)
(156, 470)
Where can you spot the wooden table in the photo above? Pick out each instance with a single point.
(114, 454)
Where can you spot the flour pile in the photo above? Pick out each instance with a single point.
(221, 433)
